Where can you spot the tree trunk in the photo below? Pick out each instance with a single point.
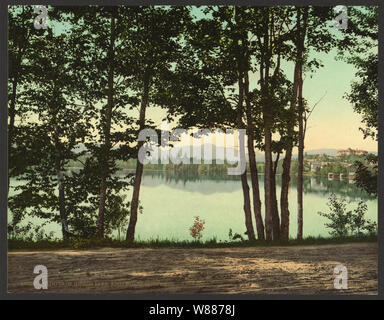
(107, 133)
(139, 166)
(300, 182)
(12, 110)
(62, 209)
(268, 177)
(247, 199)
(267, 118)
(284, 229)
(286, 176)
(288, 156)
(253, 165)
(275, 209)
(301, 162)
(13, 98)
(60, 182)
(241, 68)
(244, 182)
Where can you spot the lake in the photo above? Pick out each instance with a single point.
(171, 201)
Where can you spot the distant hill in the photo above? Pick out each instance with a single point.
(328, 152)
(219, 152)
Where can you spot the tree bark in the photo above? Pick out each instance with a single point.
(12, 107)
(268, 177)
(60, 181)
(107, 133)
(139, 166)
(300, 162)
(13, 98)
(284, 232)
(253, 165)
(286, 176)
(62, 209)
(267, 119)
(300, 182)
(244, 181)
(241, 68)
(275, 209)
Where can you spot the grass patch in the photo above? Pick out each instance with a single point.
(83, 244)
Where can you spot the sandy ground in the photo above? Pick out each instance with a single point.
(270, 270)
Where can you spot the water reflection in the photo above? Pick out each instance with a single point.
(321, 186)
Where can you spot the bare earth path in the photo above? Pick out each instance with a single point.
(266, 270)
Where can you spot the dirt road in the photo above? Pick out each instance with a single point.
(266, 270)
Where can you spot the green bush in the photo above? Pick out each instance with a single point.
(344, 222)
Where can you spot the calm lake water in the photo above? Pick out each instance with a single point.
(171, 202)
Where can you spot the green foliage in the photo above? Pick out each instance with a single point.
(117, 214)
(232, 237)
(344, 222)
(366, 174)
(359, 47)
(86, 244)
(59, 83)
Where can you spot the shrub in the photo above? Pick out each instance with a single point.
(236, 236)
(343, 222)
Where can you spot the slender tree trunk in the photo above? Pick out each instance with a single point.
(60, 183)
(13, 98)
(286, 176)
(62, 209)
(301, 161)
(253, 165)
(240, 112)
(275, 209)
(268, 178)
(139, 166)
(267, 118)
(12, 111)
(300, 182)
(247, 199)
(288, 156)
(244, 180)
(107, 133)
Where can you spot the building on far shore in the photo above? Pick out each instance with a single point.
(315, 166)
(349, 151)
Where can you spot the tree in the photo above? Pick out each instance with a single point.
(72, 76)
(47, 143)
(311, 32)
(359, 47)
(106, 76)
(21, 42)
(107, 115)
(209, 86)
(154, 44)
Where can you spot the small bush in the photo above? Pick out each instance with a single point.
(343, 222)
(236, 236)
